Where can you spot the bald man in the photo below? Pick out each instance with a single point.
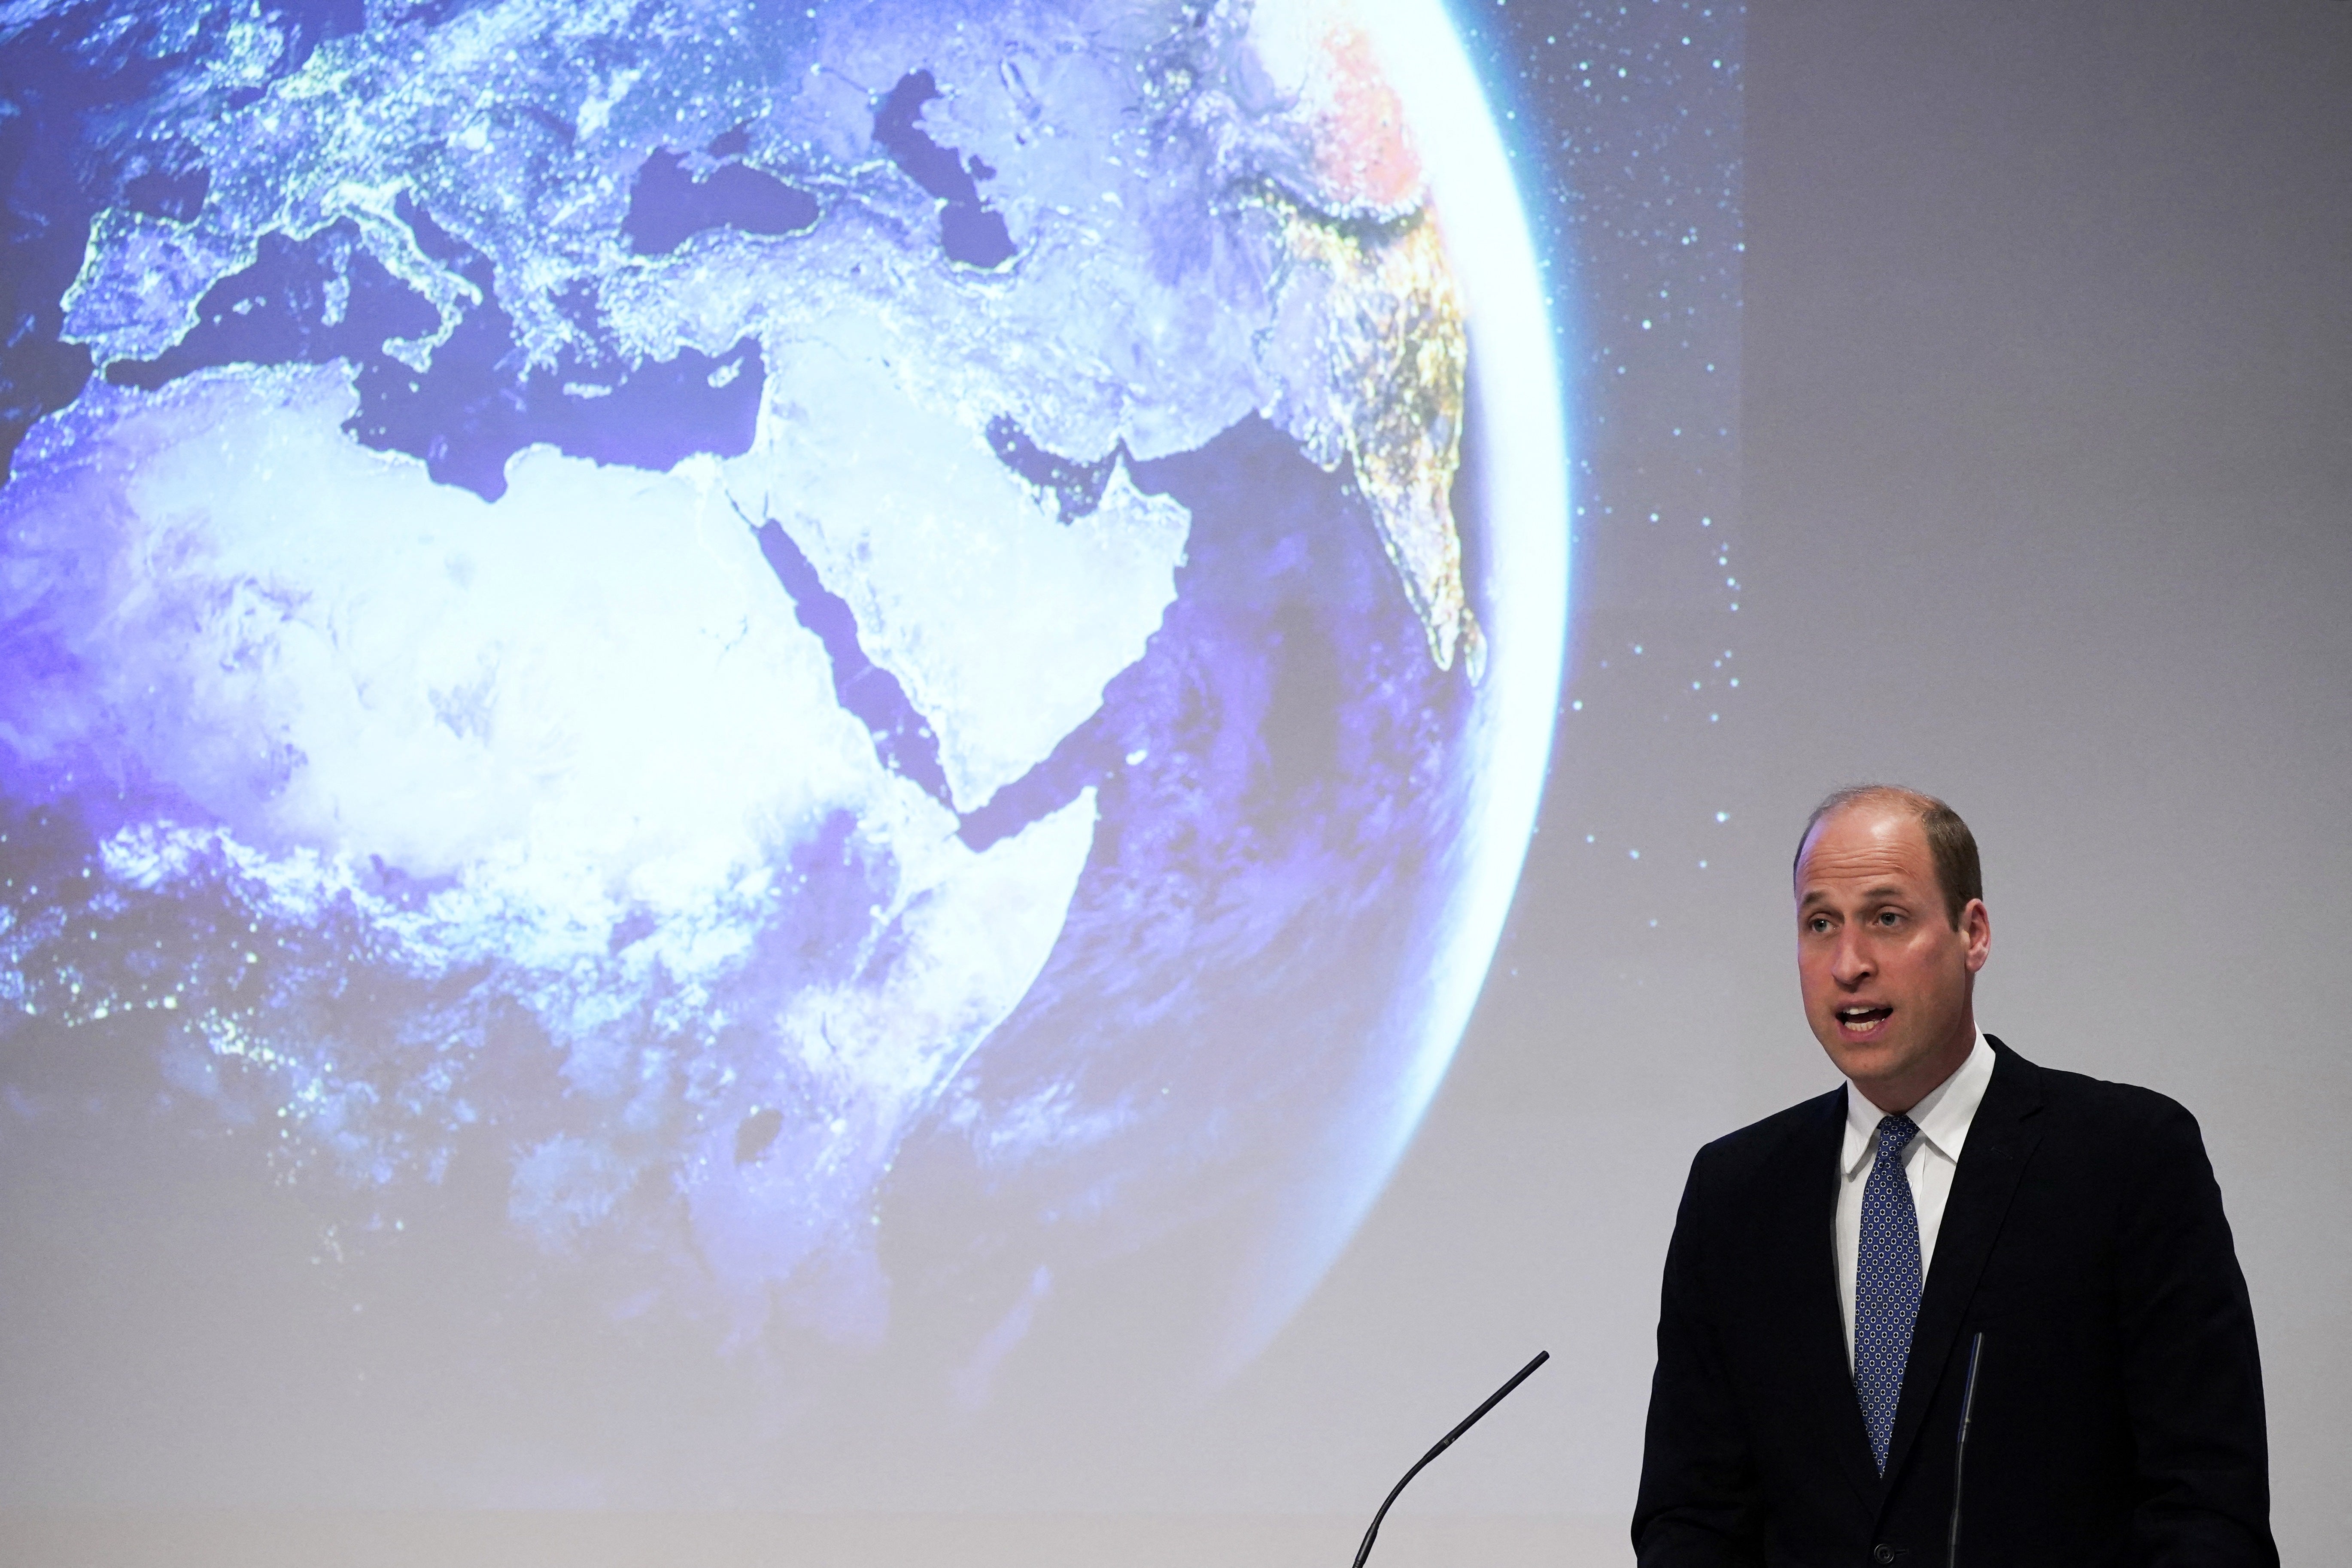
(1953, 1236)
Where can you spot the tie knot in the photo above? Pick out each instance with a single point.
(1895, 1132)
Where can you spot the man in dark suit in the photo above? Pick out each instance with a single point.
(1838, 1269)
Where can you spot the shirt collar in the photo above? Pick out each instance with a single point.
(1942, 1115)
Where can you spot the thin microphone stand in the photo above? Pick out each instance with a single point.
(1960, 1450)
(1445, 1443)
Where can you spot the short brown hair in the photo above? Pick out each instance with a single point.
(1949, 843)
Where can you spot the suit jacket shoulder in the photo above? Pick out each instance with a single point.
(1761, 1147)
(2123, 1111)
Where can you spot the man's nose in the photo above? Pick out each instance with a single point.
(1853, 964)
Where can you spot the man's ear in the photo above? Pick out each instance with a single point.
(1975, 925)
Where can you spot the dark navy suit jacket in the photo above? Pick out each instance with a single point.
(2118, 1411)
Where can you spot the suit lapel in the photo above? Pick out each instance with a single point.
(2001, 1139)
(1830, 1374)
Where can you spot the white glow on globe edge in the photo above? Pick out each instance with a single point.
(1526, 502)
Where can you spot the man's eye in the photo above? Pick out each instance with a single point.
(1889, 918)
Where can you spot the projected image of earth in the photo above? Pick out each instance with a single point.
(820, 666)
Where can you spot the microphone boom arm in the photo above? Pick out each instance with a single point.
(1445, 1443)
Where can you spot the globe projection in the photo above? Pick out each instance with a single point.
(819, 671)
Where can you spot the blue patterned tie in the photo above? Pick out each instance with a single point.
(1886, 1285)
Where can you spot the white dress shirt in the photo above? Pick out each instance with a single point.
(1928, 1161)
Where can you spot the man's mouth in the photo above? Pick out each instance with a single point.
(1862, 1023)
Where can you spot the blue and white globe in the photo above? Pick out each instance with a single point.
(836, 673)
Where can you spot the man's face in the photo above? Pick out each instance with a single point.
(1886, 975)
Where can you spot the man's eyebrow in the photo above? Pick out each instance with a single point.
(1885, 892)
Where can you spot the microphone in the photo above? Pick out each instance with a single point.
(1960, 1450)
(1445, 1443)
